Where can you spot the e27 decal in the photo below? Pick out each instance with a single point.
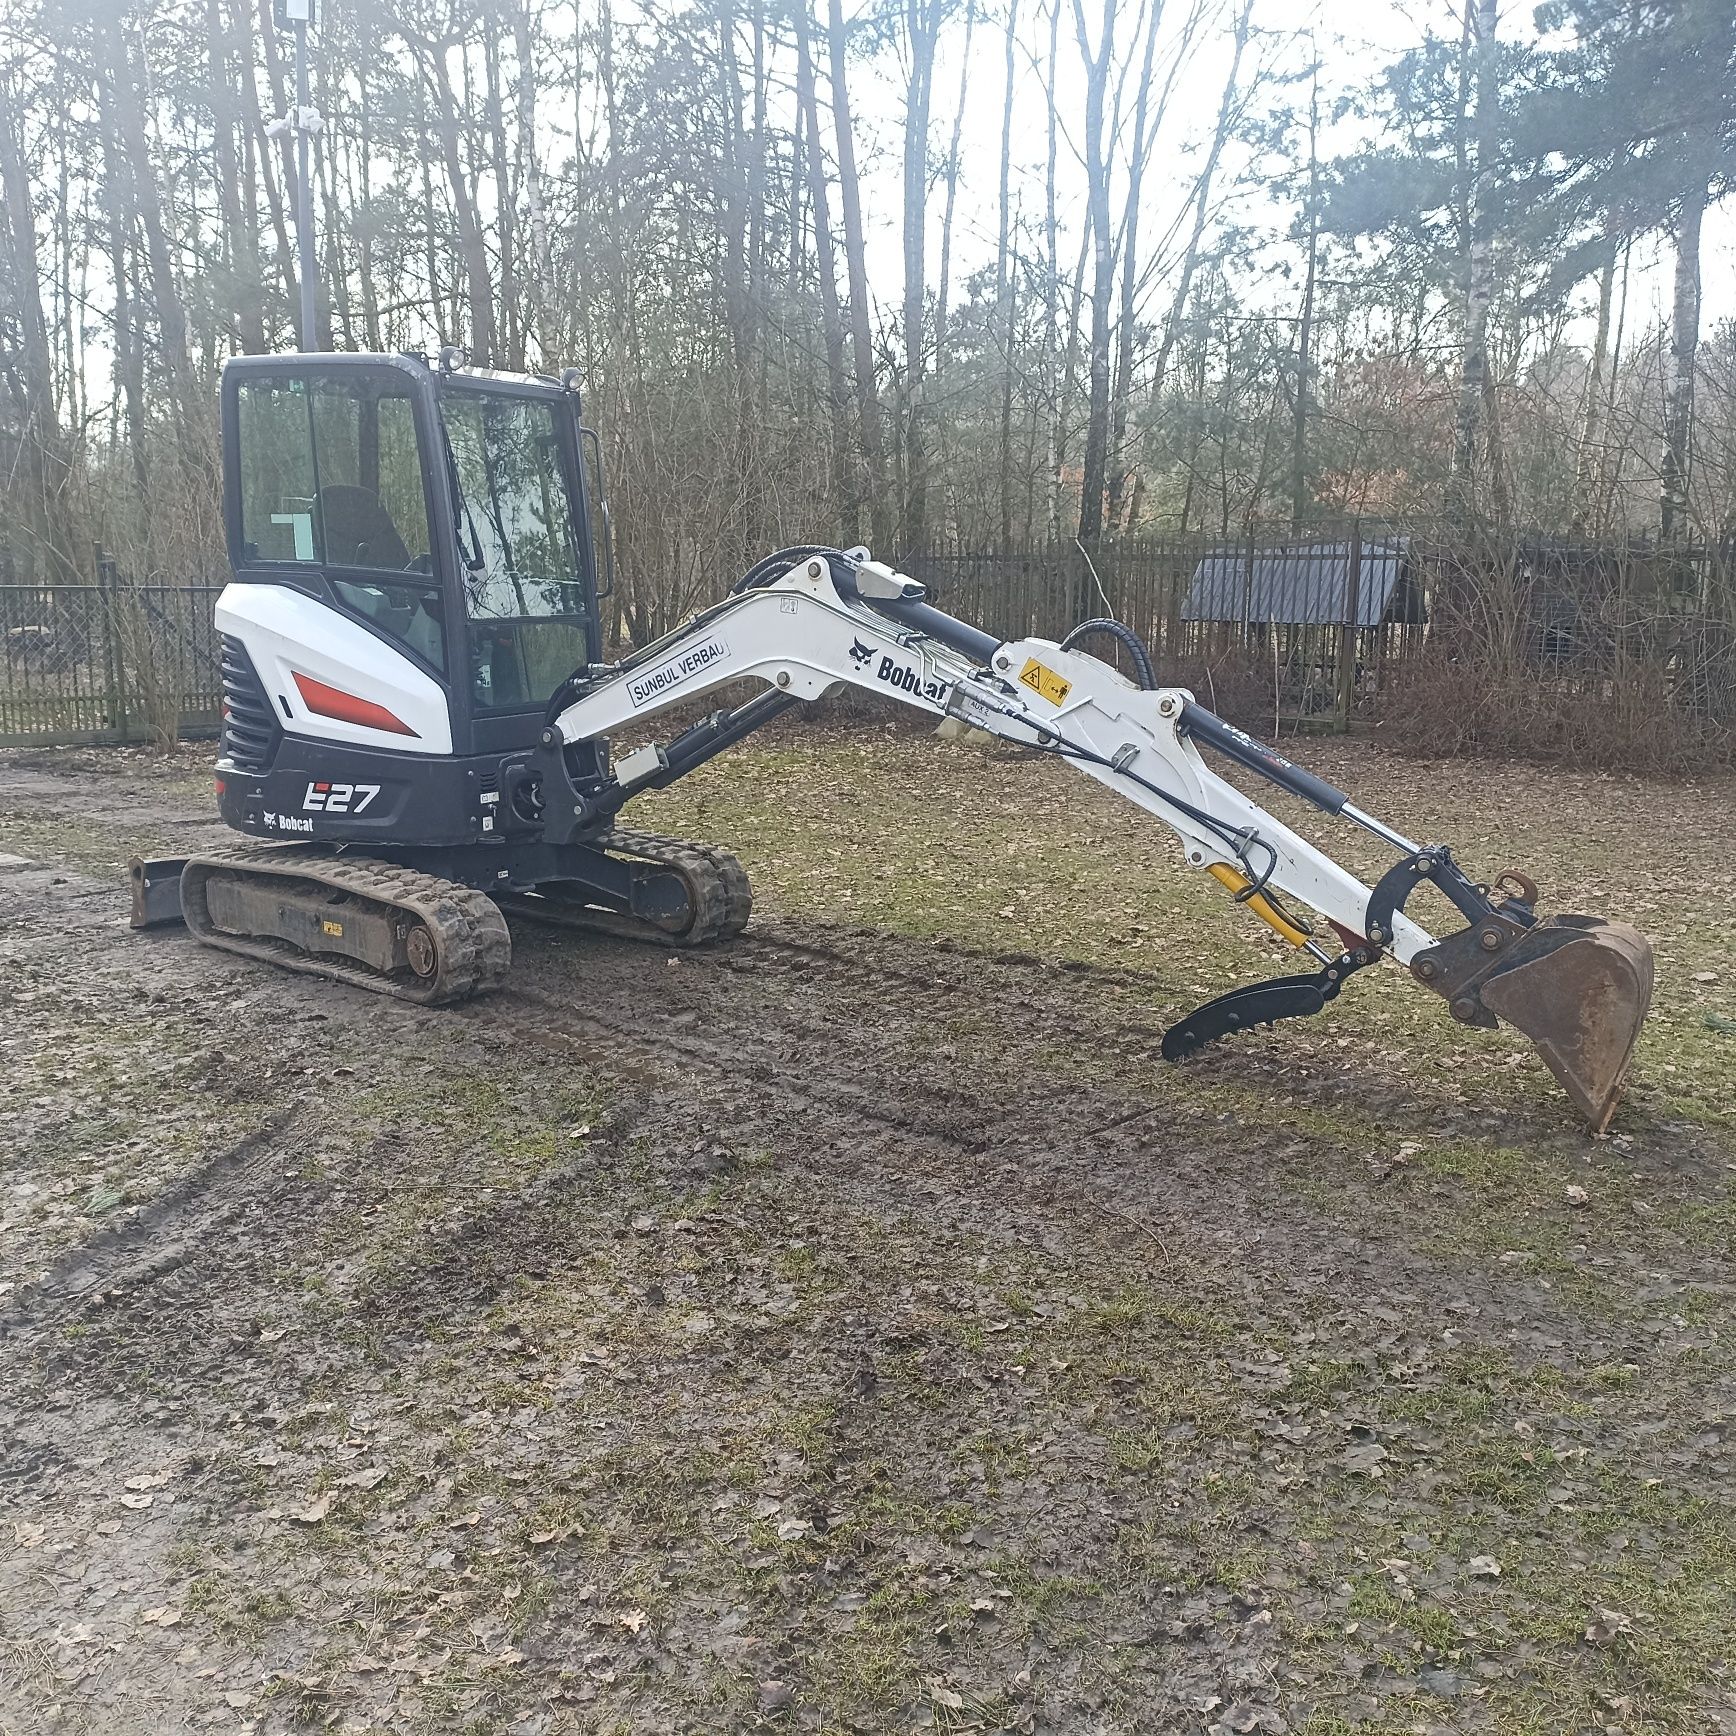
(338, 798)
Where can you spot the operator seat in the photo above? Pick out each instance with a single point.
(359, 531)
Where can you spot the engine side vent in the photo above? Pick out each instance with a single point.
(250, 731)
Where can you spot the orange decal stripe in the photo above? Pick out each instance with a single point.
(347, 707)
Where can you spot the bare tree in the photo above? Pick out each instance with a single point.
(844, 485)
(922, 19)
(1146, 119)
(1004, 312)
(856, 261)
(1097, 170)
(45, 464)
(1473, 453)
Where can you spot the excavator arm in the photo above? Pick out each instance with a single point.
(822, 620)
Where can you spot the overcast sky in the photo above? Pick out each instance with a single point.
(1355, 42)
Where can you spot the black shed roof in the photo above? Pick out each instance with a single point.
(1306, 584)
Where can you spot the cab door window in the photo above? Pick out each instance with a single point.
(331, 478)
(524, 585)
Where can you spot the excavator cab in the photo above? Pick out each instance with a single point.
(415, 574)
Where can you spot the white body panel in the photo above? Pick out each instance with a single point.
(285, 632)
(800, 634)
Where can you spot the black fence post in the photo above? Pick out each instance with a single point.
(1348, 632)
(114, 656)
(1248, 587)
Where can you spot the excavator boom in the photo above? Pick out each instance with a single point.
(813, 621)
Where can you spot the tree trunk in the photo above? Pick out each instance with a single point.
(1473, 458)
(846, 496)
(739, 267)
(129, 342)
(542, 264)
(922, 24)
(1003, 290)
(129, 122)
(510, 315)
(361, 196)
(1052, 298)
(1123, 384)
(1097, 171)
(1684, 353)
(1305, 325)
(49, 542)
(242, 241)
(336, 311)
(479, 287)
(1588, 477)
(861, 332)
(945, 284)
(1201, 204)
(279, 192)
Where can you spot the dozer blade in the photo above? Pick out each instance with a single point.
(1577, 986)
(1582, 1001)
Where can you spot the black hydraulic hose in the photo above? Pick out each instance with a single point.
(773, 566)
(1237, 843)
(1101, 627)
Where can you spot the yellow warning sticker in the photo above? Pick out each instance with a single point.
(1040, 678)
(331, 927)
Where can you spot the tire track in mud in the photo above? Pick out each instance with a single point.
(1018, 991)
(167, 1233)
(1021, 989)
(1012, 1123)
(824, 1044)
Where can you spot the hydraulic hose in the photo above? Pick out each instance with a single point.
(774, 566)
(1103, 628)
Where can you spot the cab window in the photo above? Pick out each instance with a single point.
(331, 477)
(524, 585)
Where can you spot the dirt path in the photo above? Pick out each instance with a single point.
(834, 1331)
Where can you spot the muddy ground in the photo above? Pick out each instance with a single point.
(860, 1327)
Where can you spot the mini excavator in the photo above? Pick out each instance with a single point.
(419, 729)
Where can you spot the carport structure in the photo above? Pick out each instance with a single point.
(1325, 613)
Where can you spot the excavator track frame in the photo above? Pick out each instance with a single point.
(719, 898)
(466, 951)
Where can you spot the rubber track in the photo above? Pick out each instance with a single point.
(717, 884)
(471, 941)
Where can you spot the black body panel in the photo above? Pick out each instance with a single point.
(322, 790)
(352, 795)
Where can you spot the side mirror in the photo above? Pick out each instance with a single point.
(607, 586)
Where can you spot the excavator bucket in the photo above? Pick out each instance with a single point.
(1577, 986)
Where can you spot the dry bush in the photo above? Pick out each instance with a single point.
(1627, 720)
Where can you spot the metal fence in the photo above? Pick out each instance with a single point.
(1535, 642)
(1612, 653)
(1301, 631)
(107, 661)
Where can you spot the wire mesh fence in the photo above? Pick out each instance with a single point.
(1603, 653)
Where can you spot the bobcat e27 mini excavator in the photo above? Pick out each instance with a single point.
(420, 732)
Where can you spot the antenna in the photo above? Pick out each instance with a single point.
(304, 121)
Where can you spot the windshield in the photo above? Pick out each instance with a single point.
(516, 514)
